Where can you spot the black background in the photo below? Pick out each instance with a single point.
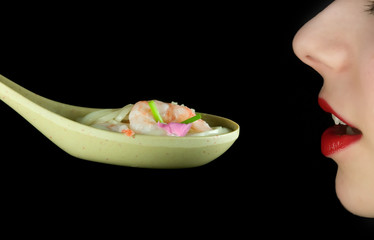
(230, 60)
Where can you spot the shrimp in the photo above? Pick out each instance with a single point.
(143, 122)
(141, 118)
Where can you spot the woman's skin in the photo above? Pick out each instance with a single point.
(339, 44)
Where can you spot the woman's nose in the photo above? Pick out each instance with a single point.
(322, 42)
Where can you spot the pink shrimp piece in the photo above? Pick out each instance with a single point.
(200, 126)
(141, 118)
(177, 113)
(142, 121)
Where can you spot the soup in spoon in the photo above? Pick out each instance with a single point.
(152, 118)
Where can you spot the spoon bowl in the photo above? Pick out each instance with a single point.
(57, 121)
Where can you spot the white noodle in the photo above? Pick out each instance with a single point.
(214, 131)
(93, 116)
(107, 117)
(123, 112)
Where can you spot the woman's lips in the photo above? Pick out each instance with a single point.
(337, 137)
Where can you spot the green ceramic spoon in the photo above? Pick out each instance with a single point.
(57, 122)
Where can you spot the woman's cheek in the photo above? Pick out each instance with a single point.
(369, 71)
(355, 177)
(365, 99)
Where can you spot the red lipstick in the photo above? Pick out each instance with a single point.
(338, 137)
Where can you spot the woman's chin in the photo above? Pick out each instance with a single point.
(356, 196)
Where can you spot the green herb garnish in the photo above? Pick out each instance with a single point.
(192, 119)
(155, 112)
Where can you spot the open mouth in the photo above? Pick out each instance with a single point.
(340, 136)
(341, 128)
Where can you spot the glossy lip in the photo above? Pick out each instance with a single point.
(335, 139)
(327, 108)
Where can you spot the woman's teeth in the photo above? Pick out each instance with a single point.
(348, 129)
(337, 120)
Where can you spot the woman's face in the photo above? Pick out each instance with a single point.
(339, 44)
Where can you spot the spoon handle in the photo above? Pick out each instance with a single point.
(16, 96)
(12, 93)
